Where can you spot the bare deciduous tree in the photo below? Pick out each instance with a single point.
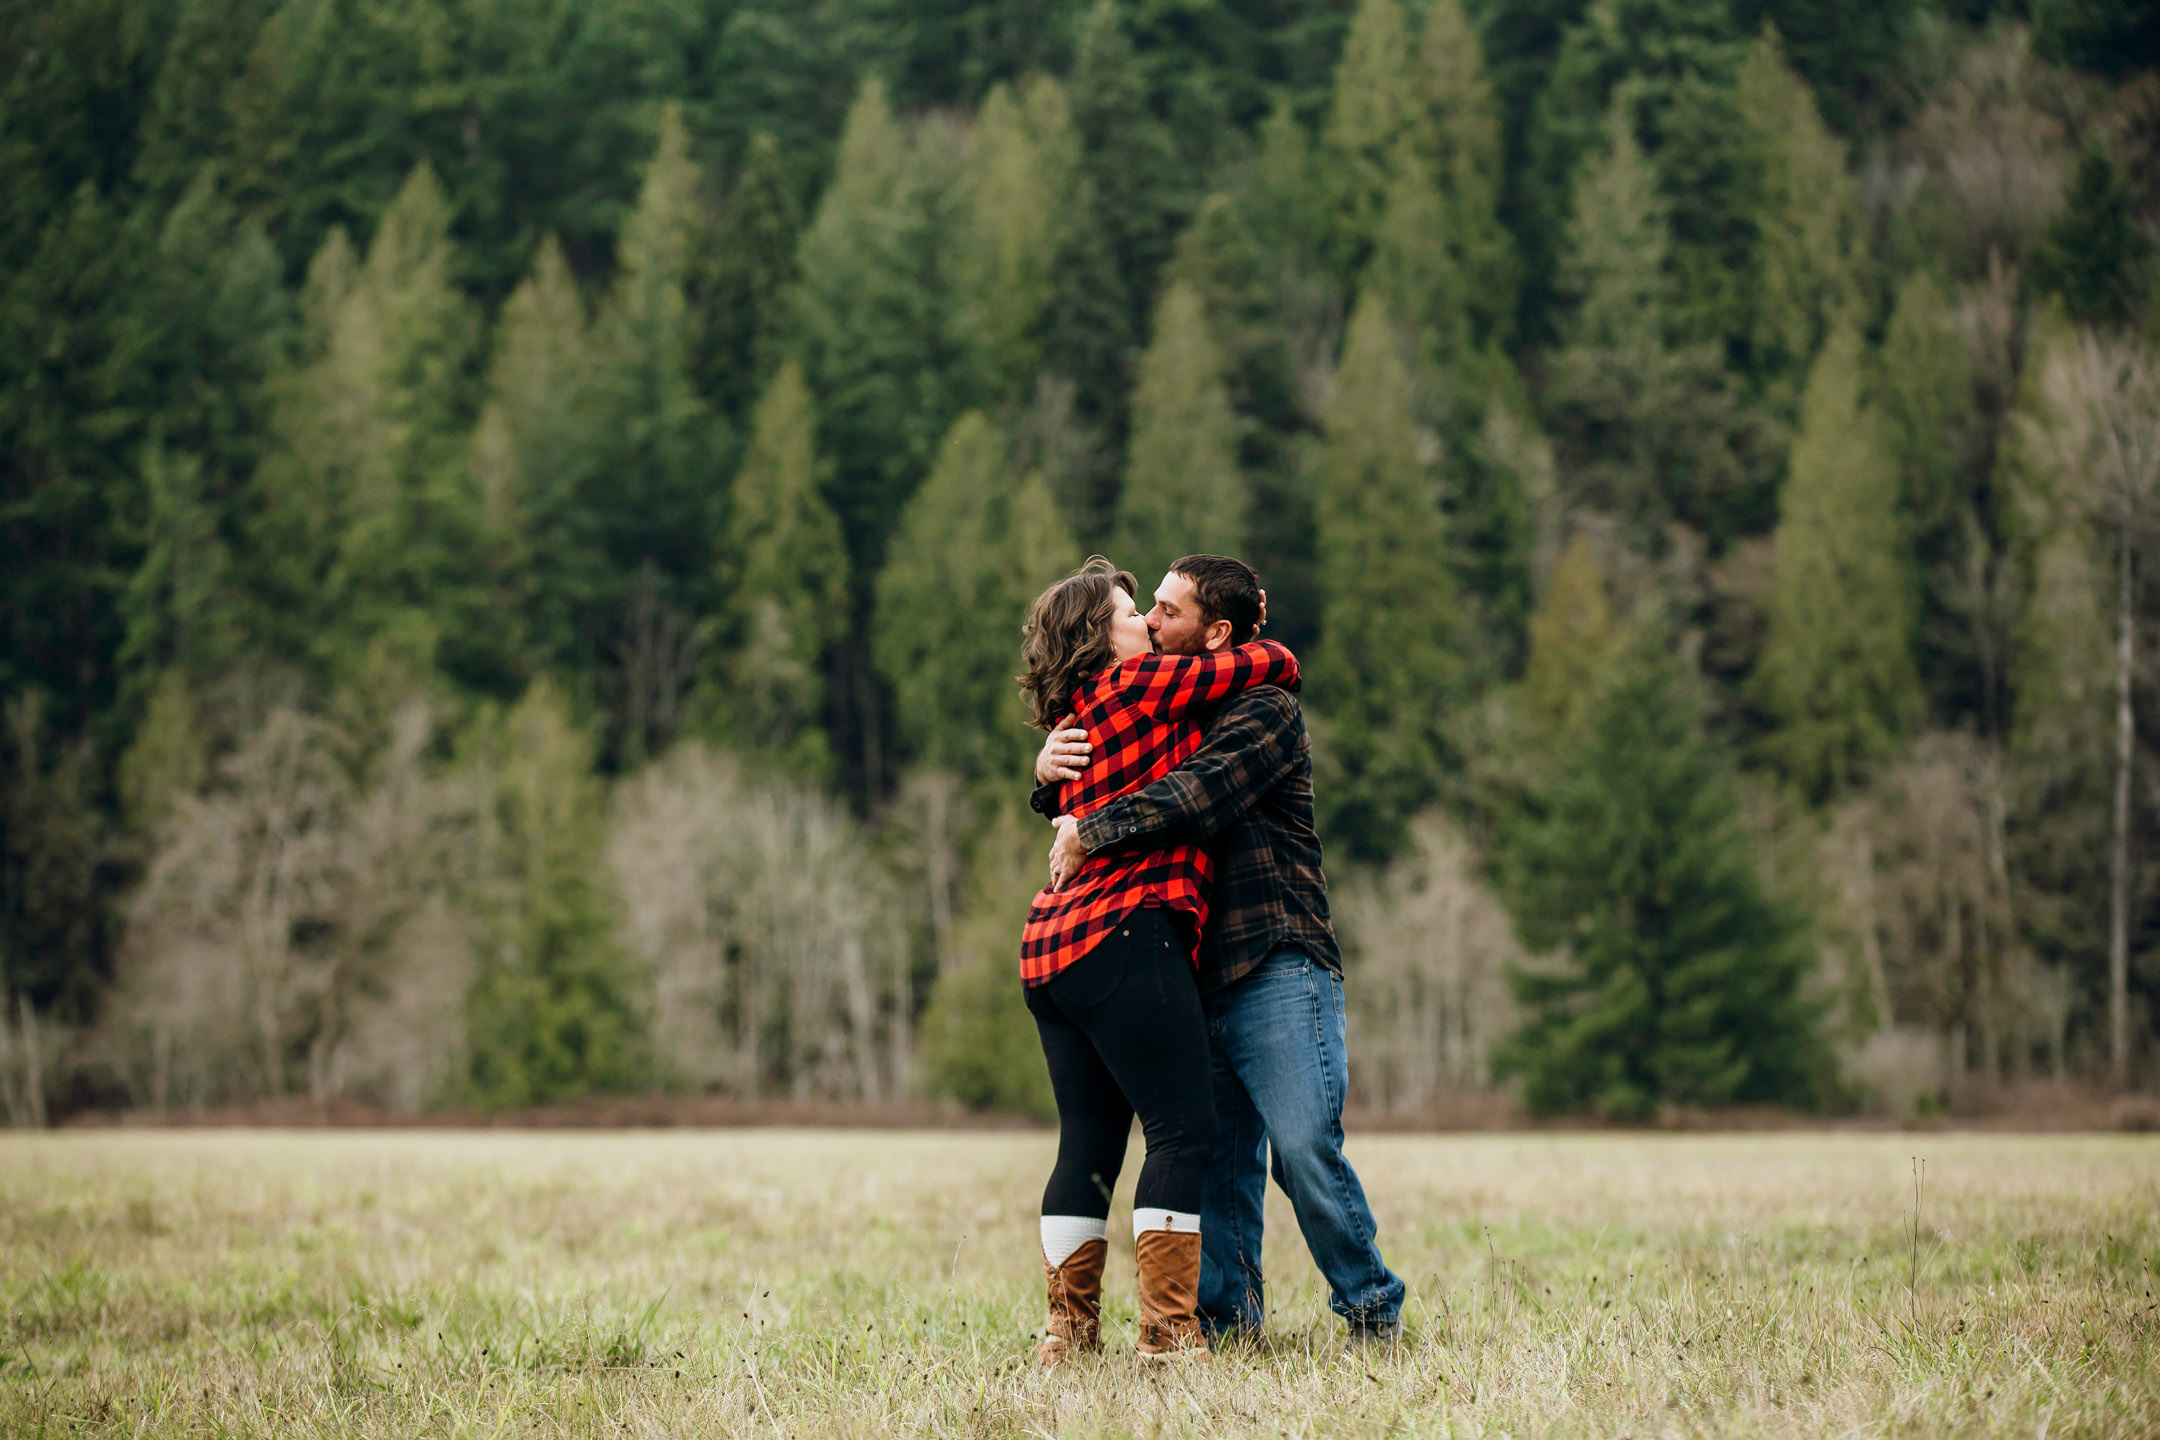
(2098, 431)
(1428, 947)
(288, 917)
(1952, 959)
(767, 927)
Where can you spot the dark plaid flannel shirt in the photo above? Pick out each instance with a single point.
(1248, 790)
(1144, 717)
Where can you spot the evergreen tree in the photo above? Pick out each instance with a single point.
(787, 583)
(1182, 493)
(1015, 187)
(1618, 246)
(792, 70)
(190, 113)
(1498, 504)
(182, 608)
(1642, 53)
(1837, 669)
(535, 453)
(1386, 665)
(1711, 167)
(1845, 48)
(1924, 384)
(56, 913)
(1418, 273)
(209, 323)
(746, 278)
(1573, 640)
(1925, 381)
(869, 316)
(1372, 109)
(1811, 235)
(979, 1045)
(1130, 158)
(975, 547)
(1087, 334)
(369, 512)
(550, 1015)
(1682, 982)
(658, 514)
(1647, 429)
(2096, 256)
(1456, 125)
(1293, 209)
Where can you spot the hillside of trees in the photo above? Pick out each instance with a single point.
(515, 517)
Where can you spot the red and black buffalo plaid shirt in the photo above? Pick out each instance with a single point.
(1142, 716)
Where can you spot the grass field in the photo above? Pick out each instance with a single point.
(812, 1283)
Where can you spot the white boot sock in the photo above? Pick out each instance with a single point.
(1154, 1217)
(1063, 1234)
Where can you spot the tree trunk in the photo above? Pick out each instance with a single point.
(2119, 899)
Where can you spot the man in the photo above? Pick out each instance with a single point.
(1270, 971)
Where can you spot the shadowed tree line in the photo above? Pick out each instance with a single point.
(514, 523)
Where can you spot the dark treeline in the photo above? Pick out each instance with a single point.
(514, 518)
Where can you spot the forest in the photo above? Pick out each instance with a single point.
(515, 518)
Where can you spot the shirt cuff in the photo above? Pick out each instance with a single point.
(1101, 829)
(1044, 801)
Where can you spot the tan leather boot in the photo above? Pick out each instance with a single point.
(1075, 1323)
(1169, 1262)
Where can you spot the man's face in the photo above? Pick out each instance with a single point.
(1176, 622)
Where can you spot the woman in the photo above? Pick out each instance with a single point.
(1108, 962)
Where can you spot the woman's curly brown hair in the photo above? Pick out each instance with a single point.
(1068, 638)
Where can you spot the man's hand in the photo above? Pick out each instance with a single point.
(1064, 755)
(1066, 854)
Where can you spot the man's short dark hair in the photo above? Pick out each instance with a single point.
(1225, 589)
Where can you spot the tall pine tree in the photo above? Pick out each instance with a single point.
(974, 548)
(1016, 184)
(2097, 258)
(786, 569)
(1183, 493)
(551, 1014)
(1837, 670)
(1386, 665)
(870, 322)
(1456, 125)
(1647, 429)
(658, 515)
(369, 510)
(1812, 241)
(1682, 979)
(534, 454)
(1640, 53)
(1573, 640)
(1141, 187)
(1370, 113)
(873, 334)
(746, 277)
(1924, 379)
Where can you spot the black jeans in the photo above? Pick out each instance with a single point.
(1124, 1034)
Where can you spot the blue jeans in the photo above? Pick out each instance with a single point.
(1281, 1067)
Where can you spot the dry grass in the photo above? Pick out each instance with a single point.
(387, 1284)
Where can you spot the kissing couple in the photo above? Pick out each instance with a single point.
(1181, 966)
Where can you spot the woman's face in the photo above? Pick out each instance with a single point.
(1129, 634)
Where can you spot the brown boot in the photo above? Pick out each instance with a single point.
(1169, 1289)
(1075, 1323)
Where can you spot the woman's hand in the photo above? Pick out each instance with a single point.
(1067, 854)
